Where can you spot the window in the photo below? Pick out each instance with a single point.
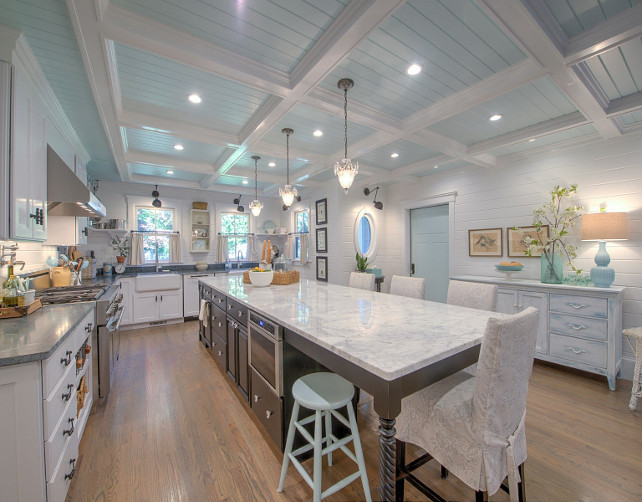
(237, 227)
(151, 219)
(301, 226)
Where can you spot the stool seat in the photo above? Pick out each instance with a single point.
(323, 391)
(636, 390)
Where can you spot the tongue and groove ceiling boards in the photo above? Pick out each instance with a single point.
(557, 71)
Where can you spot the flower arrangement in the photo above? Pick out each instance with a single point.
(121, 246)
(362, 262)
(560, 216)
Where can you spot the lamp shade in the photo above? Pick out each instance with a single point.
(604, 227)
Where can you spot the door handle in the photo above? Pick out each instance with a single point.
(412, 269)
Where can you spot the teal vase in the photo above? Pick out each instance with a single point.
(552, 268)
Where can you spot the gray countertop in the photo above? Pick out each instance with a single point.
(38, 335)
(388, 335)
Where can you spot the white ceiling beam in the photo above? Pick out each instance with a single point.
(451, 147)
(162, 182)
(94, 52)
(515, 19)
(535, 131)
(605, 36)
(165, 161)
(626, 104)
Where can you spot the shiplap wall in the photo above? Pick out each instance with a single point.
(607, 172)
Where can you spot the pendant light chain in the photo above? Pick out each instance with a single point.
(287, 157)
(345, 115)
(256, 177)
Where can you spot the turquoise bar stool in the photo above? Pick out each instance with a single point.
(325, 393)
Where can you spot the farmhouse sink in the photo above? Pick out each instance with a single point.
(158, 282)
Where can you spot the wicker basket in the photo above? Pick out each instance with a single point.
(90, 271)
(199, 205)
(280, 278)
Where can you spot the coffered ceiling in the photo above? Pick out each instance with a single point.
(557, 71)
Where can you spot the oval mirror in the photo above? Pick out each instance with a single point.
(365, 234)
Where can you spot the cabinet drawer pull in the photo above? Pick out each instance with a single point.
(256, 398)
(220, 324)
(89, 327)
(67, 396)
(220, 353)
(69, 476)
(69, 432)
(576, 327)
(268, 414)
(575, 351)
(229, 307)
(66, 361)
(576, 305)
(240, 313)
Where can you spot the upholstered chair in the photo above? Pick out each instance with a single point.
(412, 287)
(361, 280)
(472, 294)
(474, 425)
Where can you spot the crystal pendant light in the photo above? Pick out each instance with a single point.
(256, 205)
(345, 169)
(287, 193)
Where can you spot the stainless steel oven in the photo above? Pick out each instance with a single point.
(266, 350)
(109, 314)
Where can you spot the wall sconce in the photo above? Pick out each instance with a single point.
(237, 201)
(377, 204)
(603, 227)
(156, 202)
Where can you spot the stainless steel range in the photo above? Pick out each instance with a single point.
(105, 335)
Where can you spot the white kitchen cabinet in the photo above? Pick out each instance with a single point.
(145, 307)
(191, 304)
(66, 231)
(28, 163)
(580, 327)
(5, 128)
(126, 285)
(158, 306)
(170, 305)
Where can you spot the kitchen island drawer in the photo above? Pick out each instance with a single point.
(219, 299)
(578, 350)
(65, 431)
(219, 349)
(584, 327)
(268, 408)
(579, 305)
(64, 472)
(237, 310)
(57, 401)
(218, 321)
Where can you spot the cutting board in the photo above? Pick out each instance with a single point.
(40, 282)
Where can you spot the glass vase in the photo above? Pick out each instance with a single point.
(551, 268)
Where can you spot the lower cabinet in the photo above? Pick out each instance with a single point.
(158, 306)
(237, 355)
(511, 301)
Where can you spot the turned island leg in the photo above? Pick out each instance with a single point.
(387, 459)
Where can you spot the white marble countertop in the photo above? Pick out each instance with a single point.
(388, 335)
(516, 281)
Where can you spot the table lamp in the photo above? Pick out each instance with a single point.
(603, 227)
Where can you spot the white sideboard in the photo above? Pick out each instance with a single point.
(580, 327)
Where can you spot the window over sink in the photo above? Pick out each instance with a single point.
(152, 219)
(236, 226)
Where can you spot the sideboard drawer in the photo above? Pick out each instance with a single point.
(579, 305)
(585, 327)
(578, 350)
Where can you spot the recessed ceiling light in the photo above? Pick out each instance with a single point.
(271, 164)
(318, 133)
(178, 147)
(194, 98)
(245, 182)
(531, 140)
(169, 171)
(414, 69)
(495, 117)
(394, 155)
(436, 167)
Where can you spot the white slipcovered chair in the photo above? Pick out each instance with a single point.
(473, 295)
(412, 287)
(474, 425)
(361, 280)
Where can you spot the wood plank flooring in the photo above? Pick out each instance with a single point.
(174, 430)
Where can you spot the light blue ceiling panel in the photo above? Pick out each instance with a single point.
(304, 120)
(160, 86)
(163, 144)
(279, 32)
(149, 170)
(631, 118)
(323, 176)
(577, 16)
(409, 153)
(445, 166)
(455, 42)
(619, 71)
(550, 139)
(237, 181)
(48, 30)
(529, 105)
(246, 163)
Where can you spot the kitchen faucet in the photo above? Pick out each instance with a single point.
(10, 252)
(239, 255)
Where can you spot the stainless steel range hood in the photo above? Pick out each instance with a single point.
(66, 194)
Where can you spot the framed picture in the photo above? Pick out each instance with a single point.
(322, 211)
(322, 268)
(485, 242)
(322, 240)
(517, 242)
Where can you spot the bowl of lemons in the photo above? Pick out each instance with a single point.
(509, 266)
(261, 277)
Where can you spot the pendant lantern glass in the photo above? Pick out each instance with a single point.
(288, 192)
(345, 169)
(256, 205)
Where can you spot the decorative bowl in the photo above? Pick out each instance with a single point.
(201, 265)
(509, 268)
(261, 279)
(269, 230)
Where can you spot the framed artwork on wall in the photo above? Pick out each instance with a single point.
(322, 268)
(485, 242)
(322, 211)
(322, 240)
(516, 237)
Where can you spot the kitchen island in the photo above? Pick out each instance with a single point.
(388, 345)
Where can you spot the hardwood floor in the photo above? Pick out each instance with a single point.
(174, 430)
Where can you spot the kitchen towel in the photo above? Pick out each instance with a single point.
(202, 314)
(137, 257)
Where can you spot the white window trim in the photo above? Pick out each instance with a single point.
(296, 234)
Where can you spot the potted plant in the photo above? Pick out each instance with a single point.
(560, 216)
(121, 246)
(362, 263)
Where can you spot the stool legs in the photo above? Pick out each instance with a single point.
(328, 432)
(359, 452)
(636, 391)
(318, 457)
(288, 445)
